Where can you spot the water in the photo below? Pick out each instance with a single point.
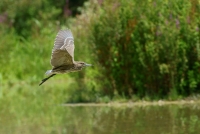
(101, 119)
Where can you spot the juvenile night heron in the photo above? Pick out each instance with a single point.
(62, 57)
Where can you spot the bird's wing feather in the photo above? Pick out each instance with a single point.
(63, 51)
(60, 58)
(65, 41)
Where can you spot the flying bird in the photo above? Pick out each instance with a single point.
(62, 57)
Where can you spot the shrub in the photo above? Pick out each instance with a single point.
(149, 48)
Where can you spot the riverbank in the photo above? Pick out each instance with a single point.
(139, 103)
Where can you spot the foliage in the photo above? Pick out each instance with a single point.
(31, 16)
(139, 50)
(148, 48)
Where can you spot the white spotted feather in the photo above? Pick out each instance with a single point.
(63, 51)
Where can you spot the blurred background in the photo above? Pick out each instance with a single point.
(140, 51)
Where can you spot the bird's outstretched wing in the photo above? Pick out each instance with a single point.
(63, 51)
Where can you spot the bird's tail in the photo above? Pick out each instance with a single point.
(45, 79)
(48, 72)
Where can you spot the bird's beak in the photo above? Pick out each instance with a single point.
(87, 64)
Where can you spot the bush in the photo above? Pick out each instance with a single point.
(148, 49)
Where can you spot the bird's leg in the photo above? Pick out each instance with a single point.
(45, 79)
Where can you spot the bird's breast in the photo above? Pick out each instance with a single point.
(66, 70)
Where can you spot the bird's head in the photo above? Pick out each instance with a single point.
(81, 64)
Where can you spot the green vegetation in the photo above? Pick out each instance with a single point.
(152, 50)
(147, 50)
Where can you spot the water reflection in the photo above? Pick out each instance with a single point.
(171, 119)
(154, 119)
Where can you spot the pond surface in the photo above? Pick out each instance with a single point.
(104, 119)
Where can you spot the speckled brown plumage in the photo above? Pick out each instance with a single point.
(62, 58)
